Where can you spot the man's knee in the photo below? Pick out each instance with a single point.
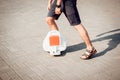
(50, 20)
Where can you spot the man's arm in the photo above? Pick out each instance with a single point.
(49, 4)
(49, 1)
(58, 7)
(59, 2)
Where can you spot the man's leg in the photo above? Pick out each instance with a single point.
(51, 23)
(84, 35)
(52, 16)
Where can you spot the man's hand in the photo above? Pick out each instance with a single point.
(58, 7)
(57, 10)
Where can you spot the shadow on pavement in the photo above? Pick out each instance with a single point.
(113, 43)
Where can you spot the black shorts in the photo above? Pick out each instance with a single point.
(68, 7)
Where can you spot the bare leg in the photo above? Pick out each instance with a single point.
(51, 23)
(84, 34)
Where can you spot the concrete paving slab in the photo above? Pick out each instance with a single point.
(23, 28)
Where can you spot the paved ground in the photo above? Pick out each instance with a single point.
(23, 28)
